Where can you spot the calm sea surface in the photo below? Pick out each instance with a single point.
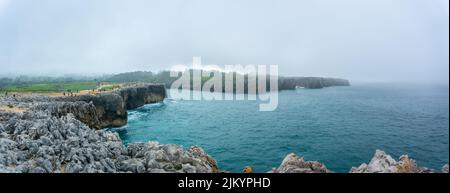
(338, 126)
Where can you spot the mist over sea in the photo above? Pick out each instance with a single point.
(338, 126)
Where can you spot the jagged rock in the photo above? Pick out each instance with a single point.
(407, 165)
(132, 165)
(295, 164)
(40, 141)
(248, 169)
(445, 168)
(98, 111)
(104, 110)
(83, 111)
(209, 163)
(73, 167)
(45, 164)
(111, 136)
(139, 95)
(384, 163)
(380, 163)
(38, 170)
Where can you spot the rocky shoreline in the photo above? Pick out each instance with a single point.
(380, 163)
(103, 110)
(61, 135)
(36, 142)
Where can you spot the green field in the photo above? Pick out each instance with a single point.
(51, 87)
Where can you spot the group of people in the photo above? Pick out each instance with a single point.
(65, 93)
(70, 93)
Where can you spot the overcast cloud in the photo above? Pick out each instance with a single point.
(372, 40)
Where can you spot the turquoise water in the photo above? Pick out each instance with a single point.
(338, 126)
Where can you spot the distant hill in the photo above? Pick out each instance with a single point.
(284, 83)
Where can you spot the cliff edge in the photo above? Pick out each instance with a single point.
(103, 110)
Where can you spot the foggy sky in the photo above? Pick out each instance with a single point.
(370, 40)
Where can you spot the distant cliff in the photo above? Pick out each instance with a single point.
(290, 83)
(284, 83)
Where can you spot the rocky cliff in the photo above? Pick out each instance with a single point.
(54, 134)
(38, 142)
(139, 95)
(98, 111)
(290, 83)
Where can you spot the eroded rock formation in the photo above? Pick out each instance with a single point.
(55, 135)
(380, 163)
(39, 142)
(295, 164)
(384, 163)
(104, 110)
(109, 109)
(140, 95)
(445, 168)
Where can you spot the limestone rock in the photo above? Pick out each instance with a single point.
(445, 168)
(384, 163)
(40, 141)
(104, 110)
(380, 163)
(139, 95)
(295, 164)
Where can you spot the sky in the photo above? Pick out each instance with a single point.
(370, 40)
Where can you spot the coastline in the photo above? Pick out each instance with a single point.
(58, 135)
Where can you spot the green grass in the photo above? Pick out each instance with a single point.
(107, 88)
(52, 87)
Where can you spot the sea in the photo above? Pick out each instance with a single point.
(340, 127)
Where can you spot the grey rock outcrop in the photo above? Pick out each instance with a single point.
(384, 163)
(295, 164)
(55, 135)
(83, 111)
(139, 95)
(109, 110)
(104, 110)
(445, 168)
(380, 163)
(38, 142)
